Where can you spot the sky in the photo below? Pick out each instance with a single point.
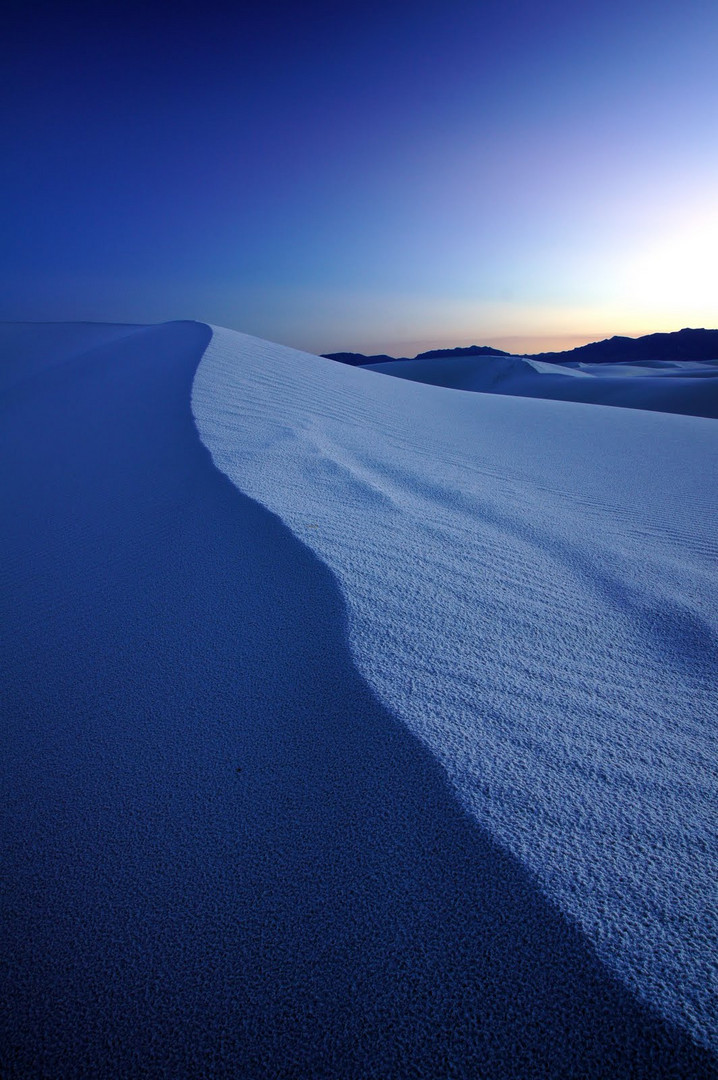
(375, 177)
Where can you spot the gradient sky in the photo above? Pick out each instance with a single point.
(381, 177)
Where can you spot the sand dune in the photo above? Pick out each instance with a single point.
(688, 387)
(531, 590)
(387, 758)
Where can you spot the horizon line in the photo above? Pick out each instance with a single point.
(561, 342)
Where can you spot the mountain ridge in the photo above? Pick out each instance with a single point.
(685, 344)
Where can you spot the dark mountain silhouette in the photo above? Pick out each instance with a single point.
(684, 344)
(681, 345)
(359, 360)
(471, 350)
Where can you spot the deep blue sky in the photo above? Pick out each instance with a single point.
(383, 177)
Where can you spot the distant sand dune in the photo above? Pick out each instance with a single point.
(685, 387)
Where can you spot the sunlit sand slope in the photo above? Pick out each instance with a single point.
(531, 589)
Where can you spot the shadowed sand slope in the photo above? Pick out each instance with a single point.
(222, 857)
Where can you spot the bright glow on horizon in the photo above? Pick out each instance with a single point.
(415, 324)
(336, 191)
(678, 272)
